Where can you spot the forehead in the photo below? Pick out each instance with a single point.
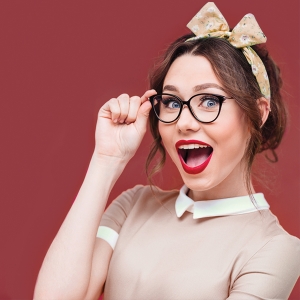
(189, 70)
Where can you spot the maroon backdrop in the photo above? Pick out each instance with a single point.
(60, 61)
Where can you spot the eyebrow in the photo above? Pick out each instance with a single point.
(197, 88)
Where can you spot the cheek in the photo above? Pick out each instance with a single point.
(244, 128)
(164, 132)
(234, 120)
(233, 138)
(167, 132)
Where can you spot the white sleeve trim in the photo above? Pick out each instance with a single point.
(108, 235)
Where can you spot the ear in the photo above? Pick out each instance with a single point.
(264, 107)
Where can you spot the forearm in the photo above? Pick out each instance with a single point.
(66, 270)
(67, 266)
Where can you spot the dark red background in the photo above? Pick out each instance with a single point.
(60, 61)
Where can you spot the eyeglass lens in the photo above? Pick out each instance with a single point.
(205, 107)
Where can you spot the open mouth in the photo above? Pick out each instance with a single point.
(194, 155)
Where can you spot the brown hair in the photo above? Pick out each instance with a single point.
(235, 73)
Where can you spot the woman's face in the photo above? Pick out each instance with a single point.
(214, 168)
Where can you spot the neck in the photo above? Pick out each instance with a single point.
(232, 186)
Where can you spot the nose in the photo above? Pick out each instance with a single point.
(187, 122)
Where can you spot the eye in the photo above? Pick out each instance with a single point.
(170, 102)
(173, 104)
(209, 101)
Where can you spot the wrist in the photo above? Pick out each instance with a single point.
(108, 162)
(104, 171)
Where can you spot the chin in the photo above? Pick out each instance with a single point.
(198, 183)
(216, 182)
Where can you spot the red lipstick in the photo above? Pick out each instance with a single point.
(197, 169)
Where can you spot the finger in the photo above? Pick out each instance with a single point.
(124, 107)
(134, 105)
(111, 109)
(148, 94)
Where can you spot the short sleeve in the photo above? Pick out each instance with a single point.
(116, 214)
(271, 273)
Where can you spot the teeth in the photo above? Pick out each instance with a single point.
(192, 146)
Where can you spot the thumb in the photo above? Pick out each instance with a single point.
(143, 114)
(144, 110)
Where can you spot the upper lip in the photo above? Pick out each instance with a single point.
(189, 142)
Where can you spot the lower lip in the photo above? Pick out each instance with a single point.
(194, 170)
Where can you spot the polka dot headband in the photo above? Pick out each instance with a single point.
(209, 22)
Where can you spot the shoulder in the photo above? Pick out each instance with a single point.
(145, 193)
(279, 239)
(284, 247)
(267, 231)
(142, 197)
(271, 272)
(286, 241)
(274, 241)
(139, 202)
(279, 256)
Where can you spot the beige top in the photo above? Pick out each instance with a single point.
(244, 254)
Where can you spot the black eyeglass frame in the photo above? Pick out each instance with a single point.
(221, 98)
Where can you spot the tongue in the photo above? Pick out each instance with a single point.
(196, 157)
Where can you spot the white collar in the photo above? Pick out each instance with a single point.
(219, 207)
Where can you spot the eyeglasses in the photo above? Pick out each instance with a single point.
(204, 107)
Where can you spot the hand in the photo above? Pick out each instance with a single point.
(121, 125)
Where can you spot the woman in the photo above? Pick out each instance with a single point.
(216, 238)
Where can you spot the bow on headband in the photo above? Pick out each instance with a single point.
(209, 22)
